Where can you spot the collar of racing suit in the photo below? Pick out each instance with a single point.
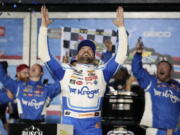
(78, 65)
(34, 82)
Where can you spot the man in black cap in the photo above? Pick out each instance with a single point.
(83, 85)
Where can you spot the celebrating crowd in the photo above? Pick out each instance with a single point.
(82, 101)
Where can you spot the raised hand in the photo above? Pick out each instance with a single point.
(9, 94)
(139, 46)
(108, 45)
(45, 17)
(119, 21)
(129, 83)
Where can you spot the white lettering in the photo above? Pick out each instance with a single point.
(157, 93)
(159, 34)
(167, 94)
(33, 103)
(32, 131)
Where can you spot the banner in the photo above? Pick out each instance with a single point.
(14, 37)
(11, 36)
(71, 37)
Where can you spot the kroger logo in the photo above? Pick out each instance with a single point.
(33, 103)
(84, 91)
(167, 94)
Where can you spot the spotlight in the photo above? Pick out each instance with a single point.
(14, 6)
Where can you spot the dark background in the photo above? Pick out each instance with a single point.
(90, 5)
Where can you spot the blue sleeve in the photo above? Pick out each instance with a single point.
(106, 56)
(4, 98)
(8, 82)
(54, 89)
(55, 68)
(139, 72)
(110, 69)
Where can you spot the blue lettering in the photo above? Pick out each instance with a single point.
(72, 90)
(84, 91)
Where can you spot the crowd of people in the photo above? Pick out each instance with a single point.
(82, 85)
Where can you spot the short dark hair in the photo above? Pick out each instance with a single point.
(165, 61)
(4, 65)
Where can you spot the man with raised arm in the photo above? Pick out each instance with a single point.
(83, 85)
(162, 96)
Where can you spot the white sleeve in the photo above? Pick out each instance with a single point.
(43, 52)
(122, 47)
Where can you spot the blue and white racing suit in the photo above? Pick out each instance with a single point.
(83, 86)
(162, 100)
(32, 97)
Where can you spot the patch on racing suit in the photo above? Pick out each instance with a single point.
(67, 112)
(81, 115)
(76, 72)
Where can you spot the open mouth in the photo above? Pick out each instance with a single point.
(162, 73)
(86, 54)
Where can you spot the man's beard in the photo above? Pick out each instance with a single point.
(86, 60)
(24, 79)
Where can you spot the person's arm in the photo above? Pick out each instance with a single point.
(115, 62)
(142, 76)
(129, 83)
(139, 72)
(108, 54)
(5, 97)
(54, 89)
(43, 51)
(7, 81)
(121, 53)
